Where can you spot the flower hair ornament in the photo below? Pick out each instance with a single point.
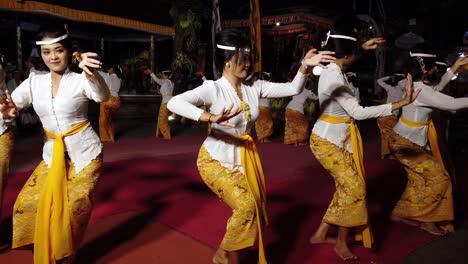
(419, 57)
(75, 58)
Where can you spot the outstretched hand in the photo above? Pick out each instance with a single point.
(312, 58)
(460, 63)
(411, 94)
(86, 62)
(8, 107)
(223, 117)
(372, 43)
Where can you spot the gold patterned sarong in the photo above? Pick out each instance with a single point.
(107, 108)
(237, 190)
(363, 233)
(386, 125)
(7, 142)
(163, 127)
(348, 207)
(80, 189)
(232, 188)
(264, 124)
(297, 127)
(428, 194)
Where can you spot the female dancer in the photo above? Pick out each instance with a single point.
(336, 143)
(296, 129)
(427, 201)
(165, 90)
(395, 86)
(54, 206)
(264, 124)
(110, 106)
(228, 161)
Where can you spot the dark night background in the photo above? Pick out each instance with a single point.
(442, 22)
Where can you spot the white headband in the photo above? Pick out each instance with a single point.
(338, 37)
(52, 41)
(423, 55)
(219, 46)
(441, 63)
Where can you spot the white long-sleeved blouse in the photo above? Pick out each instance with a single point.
(220, 94)
(394, 93)
(337, 99)
(445, 79)
(167, 88)
(297, 102)
(112, 81)
(67, 108)
(421, 109)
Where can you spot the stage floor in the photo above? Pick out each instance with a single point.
(152, 207)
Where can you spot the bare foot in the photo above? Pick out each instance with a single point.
(432, 229)
(410, 222)
(344, 253)
(225, 257)
(320, 240)
(220, 257)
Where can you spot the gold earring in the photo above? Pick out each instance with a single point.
(228, 65)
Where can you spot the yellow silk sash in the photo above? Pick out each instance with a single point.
(166, 95)
(363, 233)
(431, 136)
(256, 181)
(52, 234)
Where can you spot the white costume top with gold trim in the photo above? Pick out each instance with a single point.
(69, 107)
(421, 109)
(297, 102)
(219, 94)
(167, 87)
(337, 99)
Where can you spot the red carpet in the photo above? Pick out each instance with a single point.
(158, 179)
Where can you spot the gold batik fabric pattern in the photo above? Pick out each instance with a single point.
(428, 194)
(386, 125)
(163, 127)
(7, 142)
(264, 123)
(232, 188)
(297, 127)
(81, 187)
(348, 207)
(107, 108)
